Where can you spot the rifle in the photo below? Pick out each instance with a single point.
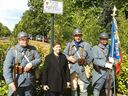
(15, 69)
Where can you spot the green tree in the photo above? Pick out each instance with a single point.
(33, 20)
(4, 31)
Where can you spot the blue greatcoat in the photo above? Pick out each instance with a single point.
(100, 55)
(26, 78)
(70, 51)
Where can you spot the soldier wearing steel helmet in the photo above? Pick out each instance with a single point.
(19, 66)
(78, 55)
(101, 65)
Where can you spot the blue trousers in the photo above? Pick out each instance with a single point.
(25, 91)
(99, 85)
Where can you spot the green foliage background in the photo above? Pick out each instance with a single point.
(4, 31)
(3, 86)
(91, 16)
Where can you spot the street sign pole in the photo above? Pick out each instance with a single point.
(52, 7)
(52, 32)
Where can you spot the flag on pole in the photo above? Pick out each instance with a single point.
(115, 46)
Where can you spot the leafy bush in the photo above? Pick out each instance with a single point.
(3, 86)
(122, 79)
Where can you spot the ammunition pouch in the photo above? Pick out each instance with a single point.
(98, 68)
(18, 69)
(82, 61)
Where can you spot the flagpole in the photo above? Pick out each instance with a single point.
(113, 17)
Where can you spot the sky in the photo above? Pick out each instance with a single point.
(11, 12)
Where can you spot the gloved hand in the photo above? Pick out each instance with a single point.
(82, 61)
(111, 60)
(109, 65)
(45, 87)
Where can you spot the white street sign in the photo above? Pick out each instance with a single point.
(54, 7)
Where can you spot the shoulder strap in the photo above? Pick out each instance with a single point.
(69, 48)
(31, 53)
(16, 59)
(77, 52)
(24, 55)
(82, 49)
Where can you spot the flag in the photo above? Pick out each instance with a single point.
(115, 46)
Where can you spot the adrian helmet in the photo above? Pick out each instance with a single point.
(77, 31)
(22, 34)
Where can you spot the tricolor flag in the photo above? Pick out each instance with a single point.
(115, 46)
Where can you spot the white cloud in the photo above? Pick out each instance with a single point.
(11, 11)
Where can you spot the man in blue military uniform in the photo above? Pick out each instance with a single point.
(102, 66)
(19, 67)
(78, 55)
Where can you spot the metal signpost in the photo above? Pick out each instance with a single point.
(52, 7)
